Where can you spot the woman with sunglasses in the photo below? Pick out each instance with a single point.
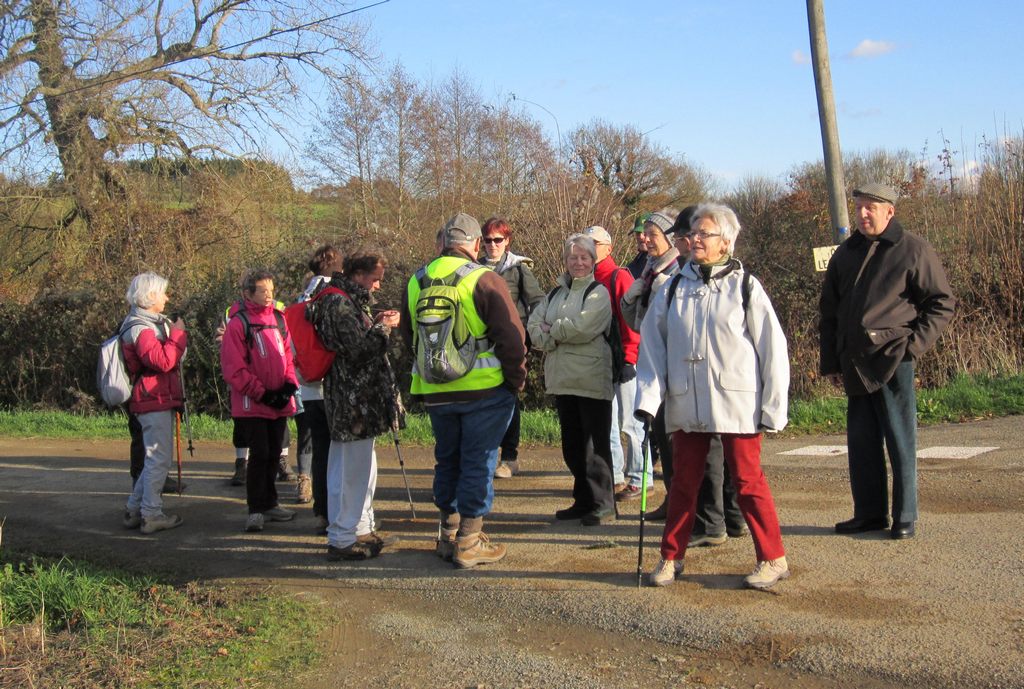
(526, 294)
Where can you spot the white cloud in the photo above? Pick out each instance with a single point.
(870, 48)
(800, 58)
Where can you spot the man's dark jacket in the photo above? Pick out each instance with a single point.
(895, 312)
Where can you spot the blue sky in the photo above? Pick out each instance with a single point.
(728, 83)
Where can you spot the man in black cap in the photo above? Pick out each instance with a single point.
(884, 303)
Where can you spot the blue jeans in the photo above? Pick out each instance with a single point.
(466, 440)
(627, 456)
(888, 415)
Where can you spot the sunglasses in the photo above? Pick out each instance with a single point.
(493, 240)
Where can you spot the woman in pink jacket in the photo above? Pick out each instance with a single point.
(256, 361)
(153, 347)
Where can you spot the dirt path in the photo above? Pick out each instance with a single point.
(563, 610)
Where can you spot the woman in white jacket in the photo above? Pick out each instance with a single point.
(712, 348)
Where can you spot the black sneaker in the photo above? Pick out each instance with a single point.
(575, 511)
(356, 551)
(376, 541)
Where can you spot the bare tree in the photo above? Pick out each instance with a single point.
(93, 81)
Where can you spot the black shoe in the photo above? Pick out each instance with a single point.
(356, 551)
(658, 515)
(599, 517)
(859, 525)
(901, 530)
(171, 486)
(575, 511)
(738, 533)
(238, 478)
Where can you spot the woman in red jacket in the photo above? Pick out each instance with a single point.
(153, 347)
(256, 361)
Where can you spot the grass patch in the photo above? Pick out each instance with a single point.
(965, 398)
(73, 624)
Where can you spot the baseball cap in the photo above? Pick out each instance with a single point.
(462, 228)
(598, 234)
(639, 225)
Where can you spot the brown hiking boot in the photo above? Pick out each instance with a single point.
(304, 492)
(446, 543)
(476, 549)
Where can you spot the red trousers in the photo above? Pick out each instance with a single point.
(743, 457)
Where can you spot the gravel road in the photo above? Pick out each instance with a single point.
(942, 610)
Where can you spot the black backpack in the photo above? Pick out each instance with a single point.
(744, 289)
(613, 336)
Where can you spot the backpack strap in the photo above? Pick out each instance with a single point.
(745, 290)
(249, 327)
(672, 287)
(522, 297)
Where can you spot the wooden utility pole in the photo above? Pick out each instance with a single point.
(827, 118)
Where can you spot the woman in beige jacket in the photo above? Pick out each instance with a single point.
(569, 326)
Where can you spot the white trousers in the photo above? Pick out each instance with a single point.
(158, 437)
(351, 482)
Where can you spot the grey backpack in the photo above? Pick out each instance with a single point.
(112, 379)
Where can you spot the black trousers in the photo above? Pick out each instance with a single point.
(586, 448)
(717, 509)
(315, 438)
(264, 438)
(137, 450)
(510, 443)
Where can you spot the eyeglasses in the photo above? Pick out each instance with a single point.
(493, 240)
(703, 235)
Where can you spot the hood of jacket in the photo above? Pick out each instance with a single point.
(508, 261)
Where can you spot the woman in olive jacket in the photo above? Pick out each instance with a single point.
(569, 326)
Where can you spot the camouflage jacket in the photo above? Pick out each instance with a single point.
(359, 390)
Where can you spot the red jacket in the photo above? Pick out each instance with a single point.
(603, 273)
(252, 369)
(153, 353)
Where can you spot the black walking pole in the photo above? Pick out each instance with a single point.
(397, 424)
(643, 502)
(401, 464)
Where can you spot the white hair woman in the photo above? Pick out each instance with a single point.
(569, 327)
(153, 347)
(712, 348)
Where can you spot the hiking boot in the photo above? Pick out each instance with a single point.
(171, 486)
(706, 540)
(238, 478)
(354, 551)
(321, 525)
(767, 574)
(599, 517)
(476, 549)
(665, 572)
(283, 475)
(254, 523)
(446, 542)
(131, 520)
(376, 541)
(304, 493)
(658, 515)
(278, 514)
(159, 522)
(506, 469)
(629, 493)
(575, 511)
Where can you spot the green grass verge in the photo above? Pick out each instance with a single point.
(73, 624)
(965, 398)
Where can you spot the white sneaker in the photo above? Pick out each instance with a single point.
(159, 523)
(131, 520)
(665, 572)
(767, 573)
(279, 514)
(254, 522)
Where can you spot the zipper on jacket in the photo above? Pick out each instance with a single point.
(694, 360)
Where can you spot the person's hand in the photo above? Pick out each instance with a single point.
(287, 390)
(178, 324)
(646, 420)
(634, 291)
(390, 318)
(628, 373)
(219, 335)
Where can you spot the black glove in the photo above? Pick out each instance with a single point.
(628, 373)
(274, 399)
(647, 420)
(288, 389)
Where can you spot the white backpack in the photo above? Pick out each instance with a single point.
(112, 379)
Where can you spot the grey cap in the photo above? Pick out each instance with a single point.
(598, 234)
(662, 222)
(462, 228)
(876, 191)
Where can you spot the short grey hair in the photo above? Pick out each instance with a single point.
(723, 216)
(142, 289)
(582, 241)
